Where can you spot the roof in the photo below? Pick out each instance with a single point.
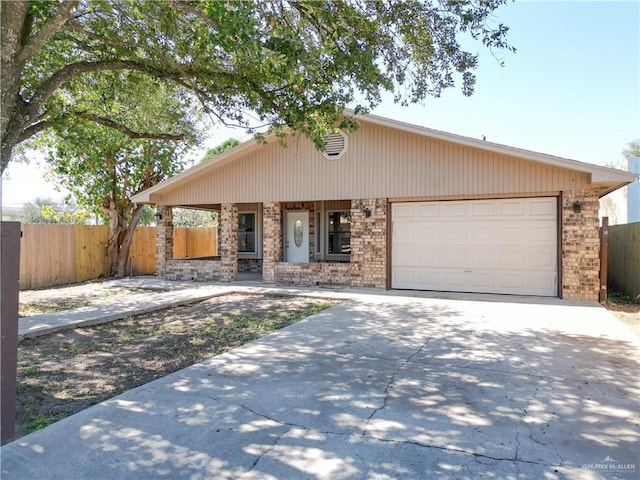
(610, 179)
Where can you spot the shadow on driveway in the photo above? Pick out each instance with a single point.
(385, 388)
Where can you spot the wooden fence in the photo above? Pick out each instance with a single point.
(61, 254)
(193, 242)
(624, 259)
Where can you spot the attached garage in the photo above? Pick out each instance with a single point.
(485, 246)
(394, 205)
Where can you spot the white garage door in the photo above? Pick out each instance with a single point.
(485, 246)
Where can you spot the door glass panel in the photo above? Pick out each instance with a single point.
(298, 233)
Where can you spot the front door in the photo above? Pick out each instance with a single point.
(297, 237)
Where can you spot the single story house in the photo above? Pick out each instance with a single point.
(395, 206)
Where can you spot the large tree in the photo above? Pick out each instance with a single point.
(272, 63)
(102, 166)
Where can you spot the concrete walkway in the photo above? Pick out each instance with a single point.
(38, 325)
(382, 387)
(162, 294)
(165, 294)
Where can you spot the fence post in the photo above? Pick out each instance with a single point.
(604, 249)
(9, 289)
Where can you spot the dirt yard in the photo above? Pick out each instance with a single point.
(63, 373)
(626, 310)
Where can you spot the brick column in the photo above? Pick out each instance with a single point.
(580, 246)
(368, 265)
(271, 240)
(164, 239)
(229, 241)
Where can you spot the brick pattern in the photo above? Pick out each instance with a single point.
(198, 270)
(368, 263)
(318, 273)
(580, 246)
(164, 239)
(229, 241)
(369, 243)
(271, 239)
(252, 265)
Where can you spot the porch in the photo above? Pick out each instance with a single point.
(332, 243)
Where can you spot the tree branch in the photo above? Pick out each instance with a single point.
(35, 43)
(78, 28)
(127, 131)
(185, 7)
(48, 86)
(34, 129)
(44, 124)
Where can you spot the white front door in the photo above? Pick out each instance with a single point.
(297, 237)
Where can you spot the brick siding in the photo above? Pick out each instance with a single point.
(198, 270)
(164, 239)
(580, 246)
(368, 263)
(317, 273)
(271, 239)
(369, 243)
(252, 265)
(229, 241)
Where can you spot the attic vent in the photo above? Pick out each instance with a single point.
(336, 146)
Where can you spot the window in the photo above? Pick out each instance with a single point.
(247, 232)
(339, 233)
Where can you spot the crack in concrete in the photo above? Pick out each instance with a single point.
(530, 426)
(267, 451)
(517, 442)
(287, 424)
(476, 457)
(388, 385)
(460, 450)
(525, 411)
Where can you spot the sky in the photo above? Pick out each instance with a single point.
(572, 89)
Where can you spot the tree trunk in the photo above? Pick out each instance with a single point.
(115, 234)
(12, 25)
(127, 240)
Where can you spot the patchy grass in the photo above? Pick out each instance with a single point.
(39, 302)
(625, 308)
(41, 421)
(623, 299)
(63, 373)
(52, 306)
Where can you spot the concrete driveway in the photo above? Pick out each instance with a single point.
(378, 387)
